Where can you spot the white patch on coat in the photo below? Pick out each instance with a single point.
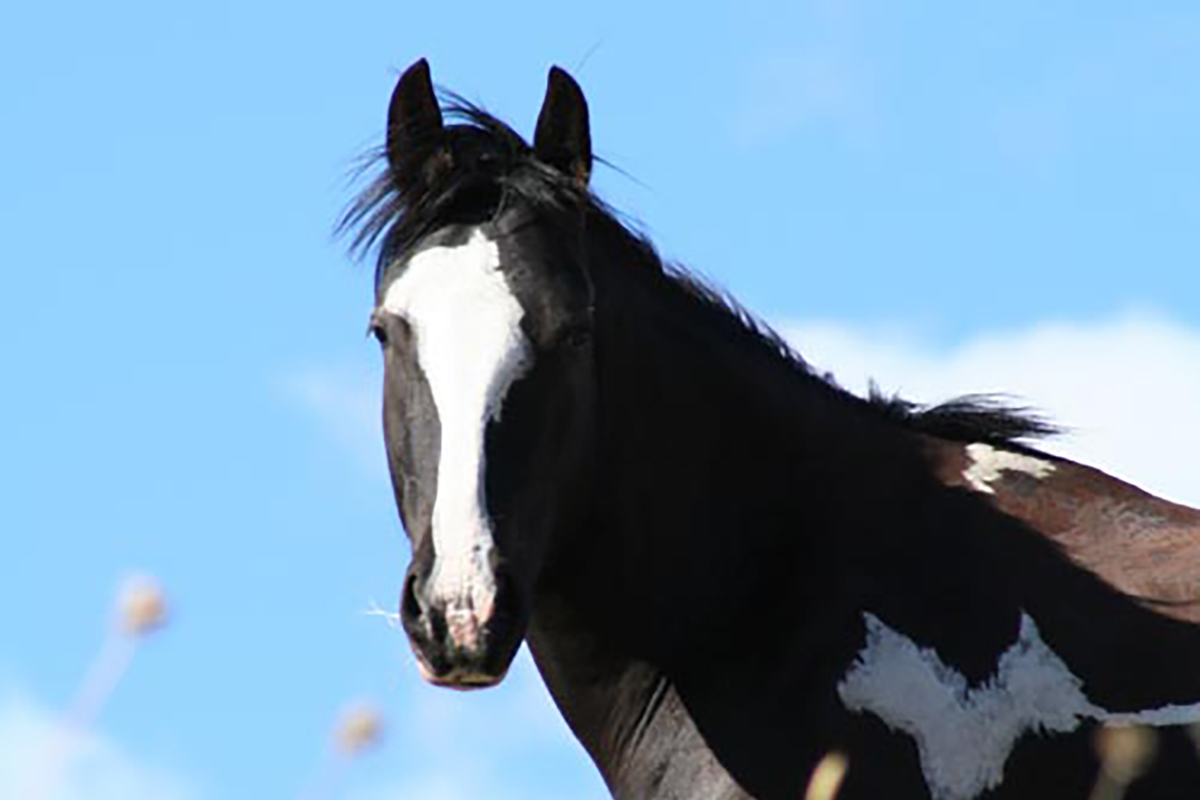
(988, 463)
(471, 349)
(964, 735)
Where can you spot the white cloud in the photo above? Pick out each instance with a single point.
(1127, 388)
(788, 90)
(31, 739)
(1136, 79)
(824, 80)
(345, 401)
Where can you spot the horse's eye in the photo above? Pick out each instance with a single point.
(378, 331)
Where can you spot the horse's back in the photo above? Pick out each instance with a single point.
(1142, 545)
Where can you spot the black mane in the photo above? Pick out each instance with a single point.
(490, 164)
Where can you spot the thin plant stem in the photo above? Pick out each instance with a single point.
(328, 776)
(99, 682)
(1106, 788)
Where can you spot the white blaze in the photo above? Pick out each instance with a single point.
(471, 348)
(987, 464)
(964, 735)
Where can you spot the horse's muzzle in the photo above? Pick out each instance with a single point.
(457, 644)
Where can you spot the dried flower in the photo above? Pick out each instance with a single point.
(360, 729)
(141, 608)
(141, 605)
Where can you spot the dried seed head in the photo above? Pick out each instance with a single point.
(827, 777)
(360, 729)
(1125, 751)
(141, 605)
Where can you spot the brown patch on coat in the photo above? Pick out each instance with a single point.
(1140, 544)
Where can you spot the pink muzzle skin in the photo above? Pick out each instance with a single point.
(465, 628)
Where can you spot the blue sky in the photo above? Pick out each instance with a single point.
(950, 197)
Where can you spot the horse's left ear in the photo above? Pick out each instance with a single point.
(563, 138)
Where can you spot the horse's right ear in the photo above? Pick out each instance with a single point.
(414, 125)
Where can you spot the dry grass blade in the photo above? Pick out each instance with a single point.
(827, 777)
(1125, 753)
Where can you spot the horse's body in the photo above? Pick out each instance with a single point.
(727, 567)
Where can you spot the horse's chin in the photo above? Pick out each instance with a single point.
(463, 681)
(462, 677)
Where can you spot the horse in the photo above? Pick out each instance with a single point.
(726, 566)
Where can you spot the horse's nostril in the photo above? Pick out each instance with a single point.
(411, 607)
(424, 622)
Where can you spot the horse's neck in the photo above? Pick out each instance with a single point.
(689, 591)
(741, 721)
(721, 465)
(626, 713)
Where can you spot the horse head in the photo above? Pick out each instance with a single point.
(484, 315)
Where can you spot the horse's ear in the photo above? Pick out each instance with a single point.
(414, 123)
(563, 139)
